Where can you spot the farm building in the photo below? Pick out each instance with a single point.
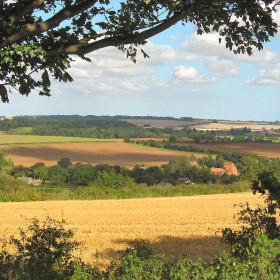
(30, 180)
(218, 171)
(229, 169)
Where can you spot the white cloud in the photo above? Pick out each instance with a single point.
(222, 67)
(222, 62)
(208, 44)
(112, 72)
(191, 75)
(196, 89)
(161, 54)
(186, 73)
(267, 77)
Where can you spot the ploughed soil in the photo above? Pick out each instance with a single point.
(163, 123)
(113, 153)
(261, 149)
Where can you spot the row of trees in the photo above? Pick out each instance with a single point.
(66, 173)
(109, 127)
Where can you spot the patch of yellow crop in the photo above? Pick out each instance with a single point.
(180, 226)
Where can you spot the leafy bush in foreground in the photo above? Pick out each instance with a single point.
(42, 252)
(262, 219)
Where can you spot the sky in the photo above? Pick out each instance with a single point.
(187, 75)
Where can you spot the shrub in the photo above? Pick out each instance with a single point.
(261, 220)
(42, 252)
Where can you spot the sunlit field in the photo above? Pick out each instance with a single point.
(35, 139)
(181, 226)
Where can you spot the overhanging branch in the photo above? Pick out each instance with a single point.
(139, 38)
(27, 10)
(35, 29)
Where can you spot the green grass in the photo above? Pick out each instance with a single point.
(34, 139)
(46, 192)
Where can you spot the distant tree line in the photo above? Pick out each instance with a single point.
(78, 174)
(94, 117)
(106, 127)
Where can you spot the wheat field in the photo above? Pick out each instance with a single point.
(180, 226)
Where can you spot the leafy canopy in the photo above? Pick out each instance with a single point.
(38, 38)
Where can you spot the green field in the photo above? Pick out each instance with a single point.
(34, 139)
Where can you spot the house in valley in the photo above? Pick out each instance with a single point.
(229, 169)
(218, 171)
(232, 170)
(31, 181)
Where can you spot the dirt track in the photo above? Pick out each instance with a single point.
(114, 153)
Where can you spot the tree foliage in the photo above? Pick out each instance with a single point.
(39, 37)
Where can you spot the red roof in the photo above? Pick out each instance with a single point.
(218, 171)
(231, 170)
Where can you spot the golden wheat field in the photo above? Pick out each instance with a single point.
(180, 226)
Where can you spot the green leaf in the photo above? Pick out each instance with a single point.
(21, 64)
(46, 79)
(86, 58)
(68, 77)
(4, 94)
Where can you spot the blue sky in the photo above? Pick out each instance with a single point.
(186, 75)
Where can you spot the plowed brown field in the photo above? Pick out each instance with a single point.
(163, 123)
(180, 226)
(261, 149)
(113, 153)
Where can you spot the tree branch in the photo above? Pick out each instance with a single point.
(27, 10)
(35, 29)
(83, 49)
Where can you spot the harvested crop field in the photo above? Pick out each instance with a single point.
(223, 125)
(180, 226)
(261, 149)
(114, 153)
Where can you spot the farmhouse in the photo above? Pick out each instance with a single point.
(229, 169)
(30, 180)
(218, 171)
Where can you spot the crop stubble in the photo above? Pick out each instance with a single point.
(181, 226)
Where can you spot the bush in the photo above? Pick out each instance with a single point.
(261, 220)
(42, 252)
